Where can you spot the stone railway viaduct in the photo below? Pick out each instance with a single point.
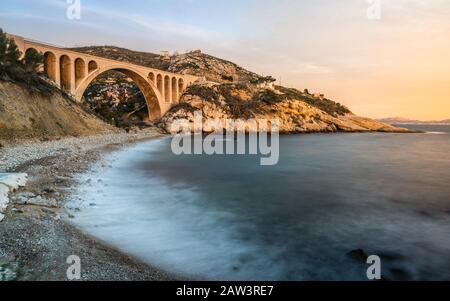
(73, 72)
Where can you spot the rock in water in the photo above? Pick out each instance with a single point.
(358, 255)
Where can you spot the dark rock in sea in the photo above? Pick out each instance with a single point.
(358, 255)
(388, 256)
(400, 274)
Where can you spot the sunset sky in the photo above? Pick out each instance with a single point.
(395, 65)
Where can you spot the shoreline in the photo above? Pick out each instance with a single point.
(35, 240)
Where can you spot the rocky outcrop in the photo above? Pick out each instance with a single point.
(293, 115)
(210, 67)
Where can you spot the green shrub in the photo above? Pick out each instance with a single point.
(227, 78)
(268, 97)
(204, 92)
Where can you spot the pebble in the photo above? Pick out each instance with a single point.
(17, 210)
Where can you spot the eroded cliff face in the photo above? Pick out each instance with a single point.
(26, 115)
(293, 115)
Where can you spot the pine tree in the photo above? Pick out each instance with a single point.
(32, 60)
(3, 50)
(13, 53)
(9, 54)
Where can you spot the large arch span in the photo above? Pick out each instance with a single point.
(73, 72)
(152, 96)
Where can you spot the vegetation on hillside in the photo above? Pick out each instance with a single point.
(245, 100)
(21, 70)
(326, 105)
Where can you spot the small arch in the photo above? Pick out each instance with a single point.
(151, 77)
(180, 87)
(33, 60)
(50, 65)
(167, 88)
(80, 70)
(174, 90)
(92, 66)
(159, 83)
(64, 66)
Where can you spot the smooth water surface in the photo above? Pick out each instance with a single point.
(228, 218)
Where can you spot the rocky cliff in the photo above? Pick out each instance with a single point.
(291, 109)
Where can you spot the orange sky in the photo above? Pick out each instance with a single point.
(397, 65)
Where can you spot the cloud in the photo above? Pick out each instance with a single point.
(159, 26)
(172, 28)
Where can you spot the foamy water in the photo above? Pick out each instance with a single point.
(228, 218)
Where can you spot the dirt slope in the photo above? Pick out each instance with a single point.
(25, 115)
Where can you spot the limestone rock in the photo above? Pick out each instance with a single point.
(231, 102)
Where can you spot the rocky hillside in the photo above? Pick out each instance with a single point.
(297, 113)
(194, 63)
(26, 114)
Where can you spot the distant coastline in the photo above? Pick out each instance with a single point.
(398, 120)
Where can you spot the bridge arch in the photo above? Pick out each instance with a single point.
(151, 94)
(174, 90)
(80, 70)
(65, 66)
(180, 87)
(167, 88)
(92, 66)
(159, 83)
(50, 65)
(151, 77)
